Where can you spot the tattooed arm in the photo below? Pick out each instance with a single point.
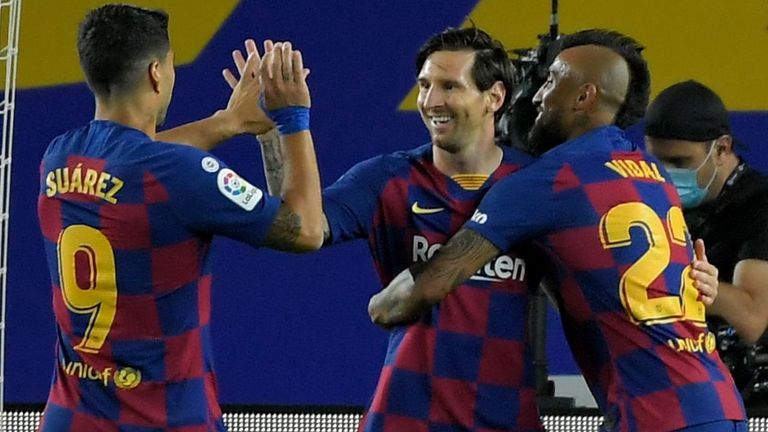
(272, 154)
(298, 226)
(403, 300)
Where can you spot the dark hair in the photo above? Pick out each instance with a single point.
(115, 43)
(630, 50)
(491, 60)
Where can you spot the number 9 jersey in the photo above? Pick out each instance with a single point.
(609, 219)
(127, 225)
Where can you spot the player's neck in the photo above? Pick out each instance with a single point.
(482, 158)
(128, 112)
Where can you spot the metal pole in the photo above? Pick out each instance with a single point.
(9, 55)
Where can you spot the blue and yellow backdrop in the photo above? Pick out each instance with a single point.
(294, 329)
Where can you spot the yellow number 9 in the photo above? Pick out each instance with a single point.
(85, 251)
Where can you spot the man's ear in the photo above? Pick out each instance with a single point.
(586, 98)
(154, 73)
(495, 96)
(723, 147)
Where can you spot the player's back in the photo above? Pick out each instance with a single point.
(631, 313)
(131, 285)
(609, 219)
(466, 366)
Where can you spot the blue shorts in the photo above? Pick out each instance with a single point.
(719, 426)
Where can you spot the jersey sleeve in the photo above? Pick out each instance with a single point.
(756, 247)
(517, 208)
(209, 197)
(350, 203)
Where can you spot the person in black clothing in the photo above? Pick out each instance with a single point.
(725, 203)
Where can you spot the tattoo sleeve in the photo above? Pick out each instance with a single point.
(459, 259)
(284, 231)
(272, 154)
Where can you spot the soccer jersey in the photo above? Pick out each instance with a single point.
(608, 217)
(467, 365)
(127, 224)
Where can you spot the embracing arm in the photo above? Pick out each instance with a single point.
(403, 299)
(744, 303)
(205, 134)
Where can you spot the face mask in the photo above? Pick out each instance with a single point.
(684, 179)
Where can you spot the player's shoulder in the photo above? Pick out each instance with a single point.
(64, 142)
(407, 158)
(181, 153)
(515, 156)
(394, 164)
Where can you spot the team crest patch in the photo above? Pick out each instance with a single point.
(210, 164)
(238, 190)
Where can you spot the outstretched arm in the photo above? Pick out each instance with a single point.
(404, 299)
(242, 114)
(298, 226)
(269, 140)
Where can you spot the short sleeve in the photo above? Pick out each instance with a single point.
(517, 208)
(756, 246)
(350, 203)
(209, 197)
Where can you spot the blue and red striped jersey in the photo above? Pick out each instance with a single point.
(467, 365)
(608, 217)
(127, 224)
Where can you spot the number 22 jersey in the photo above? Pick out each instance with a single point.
(609, 219)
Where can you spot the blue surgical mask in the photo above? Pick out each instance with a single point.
(685, 181)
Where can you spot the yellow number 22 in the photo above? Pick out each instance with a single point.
(85, 251)
(615, 228)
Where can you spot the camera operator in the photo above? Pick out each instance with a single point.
(726, 204)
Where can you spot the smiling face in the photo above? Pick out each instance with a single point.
(454, 110)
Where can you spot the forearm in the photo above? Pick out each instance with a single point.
(204, 134)
(300, 189)
(464, 254)
(403, 299)
(741, 310)
(272, 155)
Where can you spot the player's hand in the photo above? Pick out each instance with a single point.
(284, 77)
(704, 274)
(243, 105)
(395, 304)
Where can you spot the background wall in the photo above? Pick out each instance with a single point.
(294, 329)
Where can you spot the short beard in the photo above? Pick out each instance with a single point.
(545, 135)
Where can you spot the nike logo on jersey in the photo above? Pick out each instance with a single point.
(420, 210)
